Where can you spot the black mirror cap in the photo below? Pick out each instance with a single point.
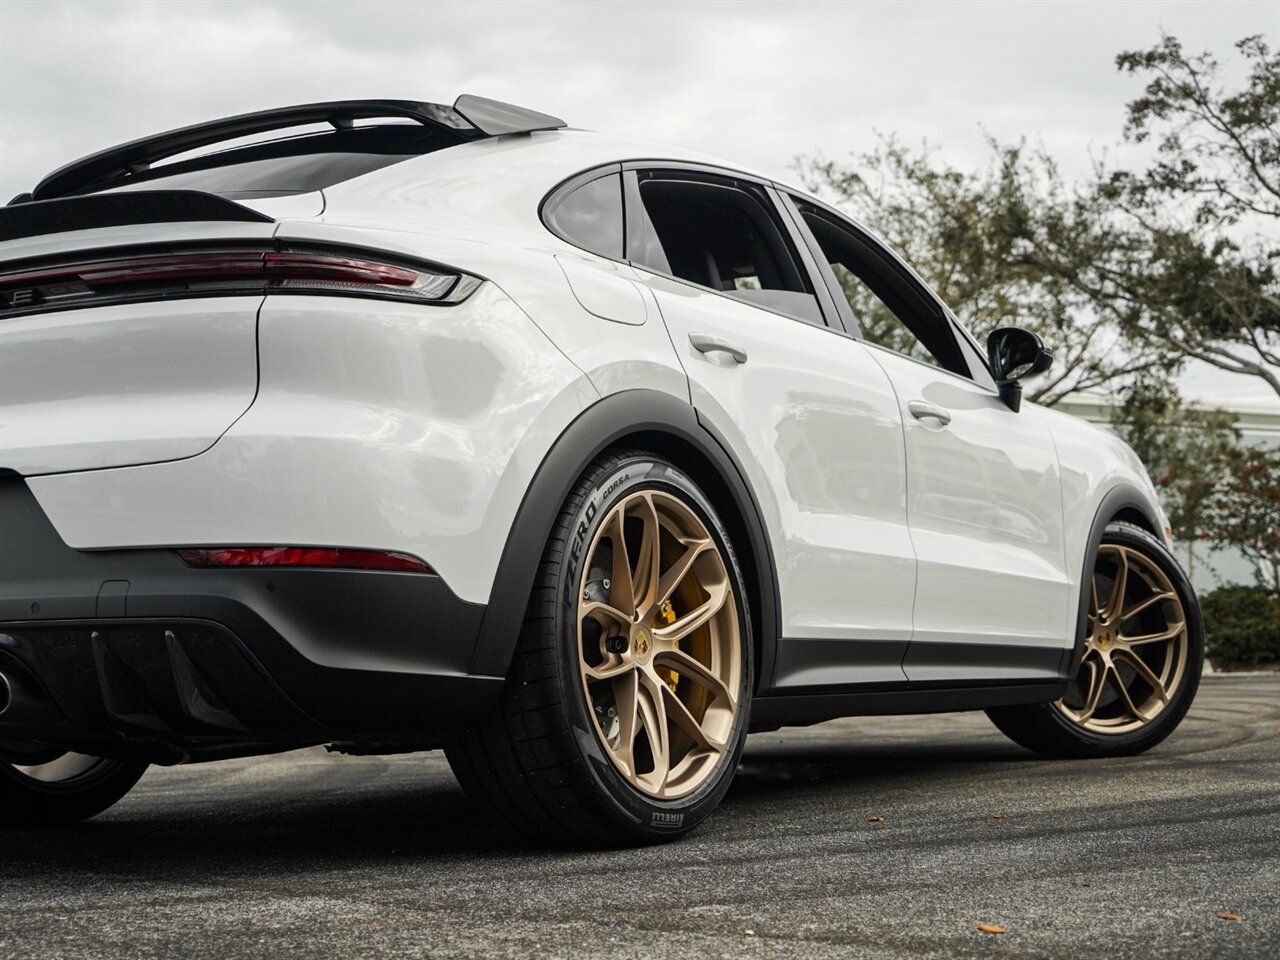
(1017, 354)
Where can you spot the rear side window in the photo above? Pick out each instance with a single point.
(721, 235)
(590, 216)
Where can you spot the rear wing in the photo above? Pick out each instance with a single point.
(119, 209)
(470, 118)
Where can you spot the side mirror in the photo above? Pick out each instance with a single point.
(1016, 355)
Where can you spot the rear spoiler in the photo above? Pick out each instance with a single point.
(469, 118)
(119, 209)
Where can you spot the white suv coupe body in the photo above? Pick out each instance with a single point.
(449, 426)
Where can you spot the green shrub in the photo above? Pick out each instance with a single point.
(1242, 626)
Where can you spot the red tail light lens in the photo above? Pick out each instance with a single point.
(331, 557)
(225, 273)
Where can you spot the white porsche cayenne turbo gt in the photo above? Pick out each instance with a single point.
(578, 456)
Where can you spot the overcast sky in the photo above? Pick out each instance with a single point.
(756, 82)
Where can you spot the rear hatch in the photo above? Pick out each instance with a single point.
(103, 365)
(131, 280)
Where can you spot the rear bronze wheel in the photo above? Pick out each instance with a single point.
(659, 646)
(1143, 651)
(625, 709)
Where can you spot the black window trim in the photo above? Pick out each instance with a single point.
(800, 242)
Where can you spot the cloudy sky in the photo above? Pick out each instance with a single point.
(757, 82)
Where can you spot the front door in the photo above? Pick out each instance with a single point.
(983, 496)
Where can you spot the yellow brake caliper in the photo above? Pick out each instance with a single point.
(668, 613)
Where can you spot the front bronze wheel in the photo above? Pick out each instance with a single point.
(1136, 647)
(1139, 669)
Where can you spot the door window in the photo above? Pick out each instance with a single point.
(884, 305)
(722, 236)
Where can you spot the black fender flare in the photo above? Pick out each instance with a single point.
(1117, 500)
(645, 415)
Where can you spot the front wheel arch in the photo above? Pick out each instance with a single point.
(1124, 502)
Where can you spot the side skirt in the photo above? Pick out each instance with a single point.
(804, 709)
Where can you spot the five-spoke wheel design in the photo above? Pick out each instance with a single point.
(659, 645)
(1136, 648)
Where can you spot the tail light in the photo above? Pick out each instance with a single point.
(331, 557)
(225, 272)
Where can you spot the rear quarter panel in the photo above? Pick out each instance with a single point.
(381, 425)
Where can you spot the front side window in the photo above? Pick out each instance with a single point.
(887, 311)
(722, 236)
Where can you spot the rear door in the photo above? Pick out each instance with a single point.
(984, 494)
(808, 413)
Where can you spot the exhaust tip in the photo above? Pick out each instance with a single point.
(6, 693)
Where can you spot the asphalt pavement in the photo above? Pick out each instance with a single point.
(313, 855)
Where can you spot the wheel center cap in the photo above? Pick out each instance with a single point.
(641, 643)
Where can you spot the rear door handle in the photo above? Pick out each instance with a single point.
(927, 411)
(704, 343)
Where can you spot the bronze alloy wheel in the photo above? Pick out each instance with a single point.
(626, 705)
(659, 645)
(1136, 648)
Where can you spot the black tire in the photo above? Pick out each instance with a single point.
(536, 761)
(26, 801)
(1044, 728)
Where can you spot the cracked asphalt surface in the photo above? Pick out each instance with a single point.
(312, 855)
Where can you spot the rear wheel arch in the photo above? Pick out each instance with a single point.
(631, 419)
(750, 543)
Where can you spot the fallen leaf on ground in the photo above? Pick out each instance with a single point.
(990, 928)
(875, 819)
(1229, 916)
(997, 815)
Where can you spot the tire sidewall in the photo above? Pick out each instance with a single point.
(631, 810)
(29, 802)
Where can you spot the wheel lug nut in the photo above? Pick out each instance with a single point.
(616, 644)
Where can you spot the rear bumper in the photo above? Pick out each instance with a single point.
(134, 652)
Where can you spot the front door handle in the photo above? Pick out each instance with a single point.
(708, 344)
(927, 411)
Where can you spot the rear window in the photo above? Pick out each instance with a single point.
(295, 165)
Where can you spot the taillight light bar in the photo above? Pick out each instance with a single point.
(330, 557)
(226, 272)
